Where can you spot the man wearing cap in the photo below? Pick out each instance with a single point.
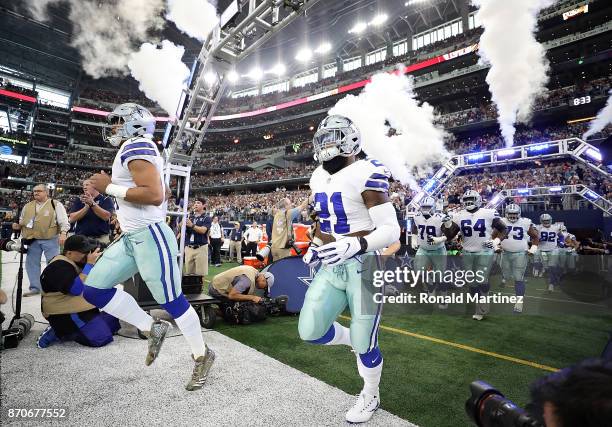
(239, 284)
(70, 317)
(235, 244)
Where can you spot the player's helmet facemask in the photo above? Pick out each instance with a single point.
(513, 212)
(126, 121)
(428, 206)
(336, 138)
(546, 220)
(471, 200)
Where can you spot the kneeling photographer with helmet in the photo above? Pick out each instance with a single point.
(236, 288)
(70, 317)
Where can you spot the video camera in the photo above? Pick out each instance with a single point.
(275, 306)
(487, 407)
(20, 245)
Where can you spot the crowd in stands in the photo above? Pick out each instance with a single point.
(96, 97)
(245, 177)
(5, 84)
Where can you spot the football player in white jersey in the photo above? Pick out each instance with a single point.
(147, 245)
(481, 232)
(548, 250)
(567, 252)
(352, 203)
(431, 254)
(515, 249)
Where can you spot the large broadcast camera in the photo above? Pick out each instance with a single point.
(487, 407)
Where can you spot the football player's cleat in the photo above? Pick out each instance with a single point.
(364, 408)
(200, 370)
(518, 307)
(156, 337)
(477, 317)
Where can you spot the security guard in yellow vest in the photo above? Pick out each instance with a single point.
(282, 227)
(70, 316)
(45, 221)
(239, 284)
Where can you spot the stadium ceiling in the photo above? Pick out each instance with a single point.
(42, 50)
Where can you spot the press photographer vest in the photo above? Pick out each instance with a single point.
(59, 303)
(45, 223)
(282, 230)
(223, 282)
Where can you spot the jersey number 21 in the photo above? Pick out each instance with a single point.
(322, 203)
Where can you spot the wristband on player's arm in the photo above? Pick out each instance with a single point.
(119, 191)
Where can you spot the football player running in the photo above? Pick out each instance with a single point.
(567, 253)
(481, 231)
(548, 250)
(431, 254)
(147, 245)
(351, 200)
(515, 249)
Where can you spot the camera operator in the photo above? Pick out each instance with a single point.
(196, 241)
(580, 395)
(45, 221)
(70, 317)
(252, 237)
(91, 213)
(282, 227)
(239, 284)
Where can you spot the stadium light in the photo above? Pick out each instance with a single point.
(233, 76)
(506, 152)
(304, 54)
(279, 69)
(411, 2)
(323, 48)
(523, 191)
(555, 189)
(210, 78)
(379, 19)
(256, 74)
(591, 195)
(539, 147)
(594, 154)
(358, 28)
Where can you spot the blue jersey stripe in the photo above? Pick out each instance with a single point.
(379, 176)
(377, 184)
(141, 144)
(133, 153)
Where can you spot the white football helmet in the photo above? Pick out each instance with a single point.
(563, 229)
(135, 119)
(428, 206)
(546, 220)
(471, 200)
(336, 136)
(513, 212)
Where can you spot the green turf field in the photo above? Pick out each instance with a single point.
(431, 359)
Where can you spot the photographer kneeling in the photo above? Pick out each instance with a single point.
(235, 288)
(70, 317)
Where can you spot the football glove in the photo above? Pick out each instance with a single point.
(339, 251)
(491, 244)
(447, 220)
(311, 257)
(433, 240)
(532, 250)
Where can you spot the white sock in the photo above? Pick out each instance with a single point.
(371, 376)
(189, 324)
(342, 335)
(124, 307)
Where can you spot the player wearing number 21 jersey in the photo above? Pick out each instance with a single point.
(350, 198)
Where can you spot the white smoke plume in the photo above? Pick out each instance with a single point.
(161, 73)
(106, 33)
(604, 118)
(195, 18)
(418, 144)
(519, 66)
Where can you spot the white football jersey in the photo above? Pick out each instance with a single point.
(428, 227)
(133, 216)
(548, 237)
(338, 199)
(518, 235)
(476, 228)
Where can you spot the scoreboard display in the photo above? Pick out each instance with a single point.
(580, 100)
